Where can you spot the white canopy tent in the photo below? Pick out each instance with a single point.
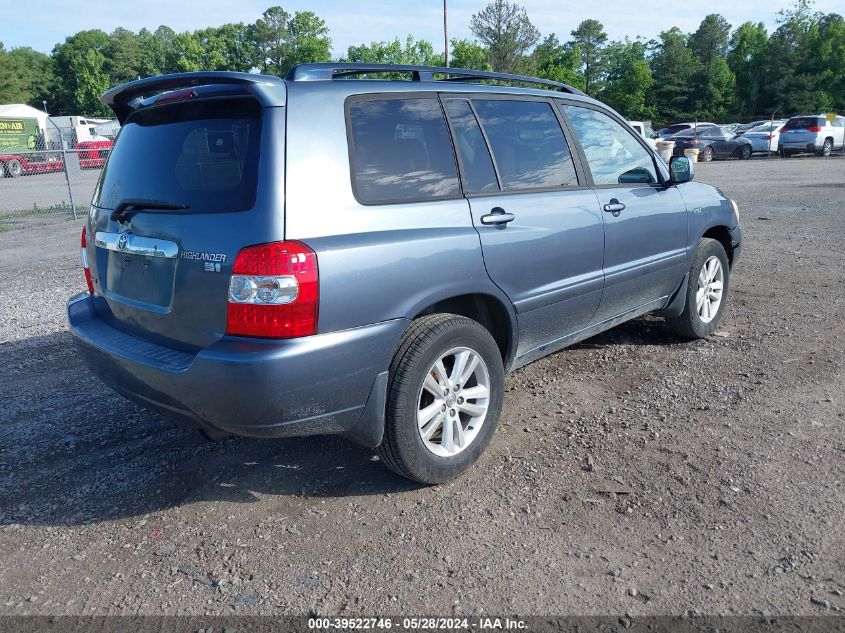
(23, 111)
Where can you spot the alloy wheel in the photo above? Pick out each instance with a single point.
(711, 287)
(453, 401)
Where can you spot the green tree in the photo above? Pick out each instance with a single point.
(156, 51)
(12, 85)
(746, 59)
(79, 66)
(713, 89)
(507, 33)
(309, 40)
(123, 56)
(26, 76)
(591, 39)
(827, 50)
(558, 62)
(187, 53)
(469, 54)
(227, 47)
(628, 79)
(711, 39)
(282, 40)
(672, 67)
(271, 38)
(791, 82)
(418, 52)
(713, 81)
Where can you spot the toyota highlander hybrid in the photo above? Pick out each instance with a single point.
(331, 254)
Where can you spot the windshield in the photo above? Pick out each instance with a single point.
(201, 155)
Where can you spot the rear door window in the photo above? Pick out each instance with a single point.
(477, 167)
(401, 151)
(527, 143)
(615, 156)
(202, 154)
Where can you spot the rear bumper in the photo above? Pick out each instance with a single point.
(798, 146)
(267, 388)
(760, 145)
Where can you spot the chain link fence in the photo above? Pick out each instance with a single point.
(47, 174)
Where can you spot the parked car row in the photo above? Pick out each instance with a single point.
(818, 134)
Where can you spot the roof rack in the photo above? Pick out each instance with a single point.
(339, 70)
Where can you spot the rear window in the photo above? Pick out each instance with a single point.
(401, 151)
(202, 154)
(804, 122)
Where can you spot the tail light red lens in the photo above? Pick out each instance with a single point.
(274, 291)
(814, 130)
(176, 95)
(85, 267)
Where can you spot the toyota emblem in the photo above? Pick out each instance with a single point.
(121, 242)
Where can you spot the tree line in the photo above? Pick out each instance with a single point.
(717, 72)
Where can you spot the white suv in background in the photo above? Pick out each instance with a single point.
(812, 134)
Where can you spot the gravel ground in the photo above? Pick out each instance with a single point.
(635, 473)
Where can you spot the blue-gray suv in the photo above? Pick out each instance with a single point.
(329, 254)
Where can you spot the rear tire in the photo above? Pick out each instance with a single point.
(707, 155)
(827, 148)
(437, 354)
(708, 277)
(14, 168)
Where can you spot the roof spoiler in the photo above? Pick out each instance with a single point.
(125, 98)
(340, 70)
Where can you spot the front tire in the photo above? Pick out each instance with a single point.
(746, 152)
(707, 292)
(444, 398)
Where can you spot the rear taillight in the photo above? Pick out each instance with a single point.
(176, 95)
(815, 129)
(85, 267)
(274, 291)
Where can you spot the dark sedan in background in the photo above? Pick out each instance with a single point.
(712, 142)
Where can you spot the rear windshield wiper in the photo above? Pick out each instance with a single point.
(125, 209)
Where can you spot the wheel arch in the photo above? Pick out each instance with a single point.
(722, 234)
(489, 310)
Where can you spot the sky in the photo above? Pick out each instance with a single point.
(44, 23)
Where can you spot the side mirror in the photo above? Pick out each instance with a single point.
(681, 170)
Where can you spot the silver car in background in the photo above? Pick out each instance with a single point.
(764, 138)
(812, 134)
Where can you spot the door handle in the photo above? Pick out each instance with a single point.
(497, 215)
(615, 207)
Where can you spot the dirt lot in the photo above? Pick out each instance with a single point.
(635, 473)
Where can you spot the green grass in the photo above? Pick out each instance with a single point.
(16, 219)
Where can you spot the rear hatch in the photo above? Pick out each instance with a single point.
(802, 130)
(179, 197)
